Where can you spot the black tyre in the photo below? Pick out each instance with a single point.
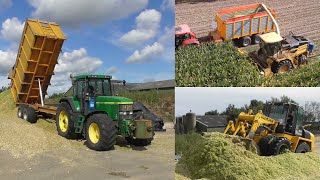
(264, 145)
(256, 39)
(101, 132)
(302, 59)
(20, 111)
(303, 148)
(29, 114)
(279, 146)
(281, 67)
(139, 142)
(65, 122)
(245, 41)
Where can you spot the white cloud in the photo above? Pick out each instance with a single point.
(75, 62)
(7, 60)
(168, 4)
(167, 40)
(112, 70)
(147, 25)
(146, 54)
(4, 4)
(12, 30)
(74, 13)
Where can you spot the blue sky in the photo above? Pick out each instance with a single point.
(131, 40)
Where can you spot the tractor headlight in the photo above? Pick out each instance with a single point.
(126, 111)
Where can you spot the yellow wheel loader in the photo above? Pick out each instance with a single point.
(275, 132)
(280, 55)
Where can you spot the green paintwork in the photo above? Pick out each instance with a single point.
(110, 104)
(76, 104)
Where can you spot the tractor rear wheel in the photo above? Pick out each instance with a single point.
(64, 121)
(264, 144)
(29, 114)
(281, 67)
(245, 41)
(303, 148)
(279, 146)
(302, 59)
(139, 142)
(101, 132)
(256, 39)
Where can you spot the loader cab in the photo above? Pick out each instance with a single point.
(289, 116)
(184, 36)
(270, 44)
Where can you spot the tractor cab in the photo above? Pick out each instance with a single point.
(270, 44)
(289, 116)
(184, 36)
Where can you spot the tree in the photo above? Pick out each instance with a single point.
(212, 112)
(312, 111)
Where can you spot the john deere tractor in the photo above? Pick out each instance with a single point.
(280, 55)
(279, 130)
(89, 109)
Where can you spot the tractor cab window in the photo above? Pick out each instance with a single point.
(278, 113)
(79, 87)
(271, 49)
(299, 122)
(70, 92)
(99, 87)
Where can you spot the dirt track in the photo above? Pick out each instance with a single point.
(300, 17)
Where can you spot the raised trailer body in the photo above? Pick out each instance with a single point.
(240, 22)
(37, 56)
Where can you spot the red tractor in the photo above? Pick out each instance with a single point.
(184, 36)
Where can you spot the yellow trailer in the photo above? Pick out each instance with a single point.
(245, 23)
(37, 56)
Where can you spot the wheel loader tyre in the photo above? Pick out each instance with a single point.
(279, 146)
(101, 132)
(281, 67)
(256, 39)
(303, 148)
(139, 142)
(264, 145)
(245, 41)
(29, 114)
(20, 111)
(64, 121)
(302, 60)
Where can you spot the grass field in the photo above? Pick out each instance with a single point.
(222, 65)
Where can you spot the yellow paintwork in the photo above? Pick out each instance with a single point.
(94, 133)
(271, 37)
(63, 121)
(247, 124)
(38, 53)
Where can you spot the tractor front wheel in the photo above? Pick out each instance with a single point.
(101, 132)
(139, 142)
(279, 146)
(64, 121)
(281, 67)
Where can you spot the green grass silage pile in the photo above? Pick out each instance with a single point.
(6, 101)
(215, 157)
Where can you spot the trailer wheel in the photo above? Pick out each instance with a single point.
(303, 148)
(101, 132)
(139, 142)
(256, 39)
(20, 111)
(245, 41)
(281, 67)
(64, 121)
(279, 146)
(29, 114)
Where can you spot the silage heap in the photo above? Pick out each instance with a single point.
(217, 157)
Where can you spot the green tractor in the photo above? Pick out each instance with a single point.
(89, 109)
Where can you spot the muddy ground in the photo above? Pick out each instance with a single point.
(36, 151)
(300, 17)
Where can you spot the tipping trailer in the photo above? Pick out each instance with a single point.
(88, 109)
(243, 23)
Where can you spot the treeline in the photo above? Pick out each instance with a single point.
(4, 88)
(311, 108)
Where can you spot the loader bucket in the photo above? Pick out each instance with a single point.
(249, 144)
